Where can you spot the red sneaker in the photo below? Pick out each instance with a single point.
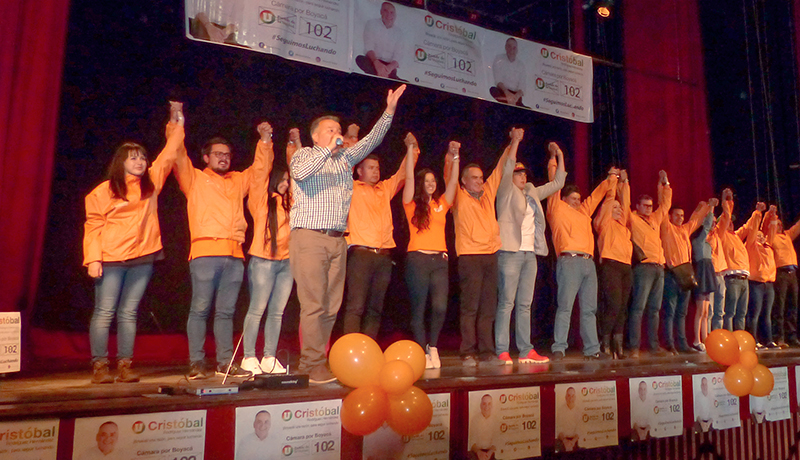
(504, 356)
(533, 357)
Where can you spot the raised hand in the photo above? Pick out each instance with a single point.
(713, 202)
(453, 148)
(176, 112)
(265, 131)
(392, 98)
(516, 134)
(294, 136)
(662, 177)
(623, 175)
(773, 209)
(410, 140)
(613, 171)
(761, 206)
(727, 194)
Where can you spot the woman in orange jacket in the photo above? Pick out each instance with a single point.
(121, 241)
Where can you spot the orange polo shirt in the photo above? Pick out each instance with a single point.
(613, 236)
(117, 230)
(761, 259)
(646, 231)
(717, 253)
(370, 219)
(783, 246)
(475, 220)
(431, 239)
(572, 228)
(732, 242)
(675, 239)
(215, 205)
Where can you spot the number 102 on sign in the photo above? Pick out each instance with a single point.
(460, 64)
(318, 29)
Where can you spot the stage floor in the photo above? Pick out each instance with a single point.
(70, 394)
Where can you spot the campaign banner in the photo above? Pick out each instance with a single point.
(311, 31)
(307, 430)
(10, 342)
(159, 436)
(714, 406)
(656, 407)
(433, 443)
(392, 41)
(505, 422)
(29, 440)
(774, 406)
(586, 415)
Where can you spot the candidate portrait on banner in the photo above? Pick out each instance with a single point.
(383, 44)
(509, 75)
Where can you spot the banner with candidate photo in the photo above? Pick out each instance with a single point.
(387, 40)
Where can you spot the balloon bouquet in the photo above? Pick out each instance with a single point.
(383, 385)
(738, 351)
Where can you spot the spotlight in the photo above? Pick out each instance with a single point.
(603, 11)
(601, 7)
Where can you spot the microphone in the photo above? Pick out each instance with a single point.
(339, 142)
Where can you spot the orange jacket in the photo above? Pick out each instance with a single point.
(257, 205)
(370, 219)
(717, 253)
(215, 204)
(733, 242)
(572, 228)
(646, 231)
(613, 236)
(675, 239)
(117, 230)
(782, 243)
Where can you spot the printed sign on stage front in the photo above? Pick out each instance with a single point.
(159, 436)
(307, 430)
(586, 415)
(656, 407)
(506, 422)
(714, 406)
(774, 406)
(311, 31)
(10, 343)
(29, 440)
(433, 443)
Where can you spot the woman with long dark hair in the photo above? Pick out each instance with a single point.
(269, 277)
(426, 265)
(121, 241)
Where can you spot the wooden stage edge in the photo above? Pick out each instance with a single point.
(71, 395)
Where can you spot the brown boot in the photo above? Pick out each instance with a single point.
(605, 345)
(619, 350)
(125, 373)
(100, 373)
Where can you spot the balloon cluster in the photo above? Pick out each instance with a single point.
(383, 383)
(738, 351)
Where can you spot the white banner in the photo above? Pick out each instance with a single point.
(29, 440)
(307, 430)
(774, 406)
(433, 443)
(586, 415)
(159, 436)
(714, 406)
(10, 343)
(505, 422)
(387, 40)
(656, 407)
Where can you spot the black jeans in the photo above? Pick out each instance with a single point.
(614, 280)
(784, 313)
(427, 273)
(368, 276)
(478, 280)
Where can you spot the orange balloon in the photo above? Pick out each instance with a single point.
(410, 352)
(738, 380)
(364, 410)
(396, 377)
(356, 360)
(763, 381)
(722, 347)
(745, 340)
(748, 359)
(411, 412)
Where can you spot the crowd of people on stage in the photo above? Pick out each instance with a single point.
(314, 225)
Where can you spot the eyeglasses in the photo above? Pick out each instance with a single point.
(646, 205)
(222, 155)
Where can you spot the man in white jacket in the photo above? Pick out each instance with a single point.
(522, 222)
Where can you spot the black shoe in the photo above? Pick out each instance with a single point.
(198, 371)
(557, 356)
(597, 357)
(773, 346)
(235, 371)
(783, 345)
(659, 352)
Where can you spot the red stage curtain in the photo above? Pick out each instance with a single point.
(31, 61)
(666, 100)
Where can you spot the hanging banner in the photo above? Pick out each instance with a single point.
(774, 406)
(586, 415)
(656, 407)
(388, 40)
(29, 440)
(714, 406)
(433, 443)
(307, 430)
(159, 436)
(505, 423)
(10, 342)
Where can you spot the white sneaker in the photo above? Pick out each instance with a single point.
(428, 363)
(270, 365)
(251, 364)
(434, 354)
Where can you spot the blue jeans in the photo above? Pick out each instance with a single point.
(676, 303)
(762, 297)
(270, 283)
(515, 287)
(648, 290)
(719, 304)
(214, 279)
(119, 290)
(427, 273)
(736, 297)
(576, 276)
